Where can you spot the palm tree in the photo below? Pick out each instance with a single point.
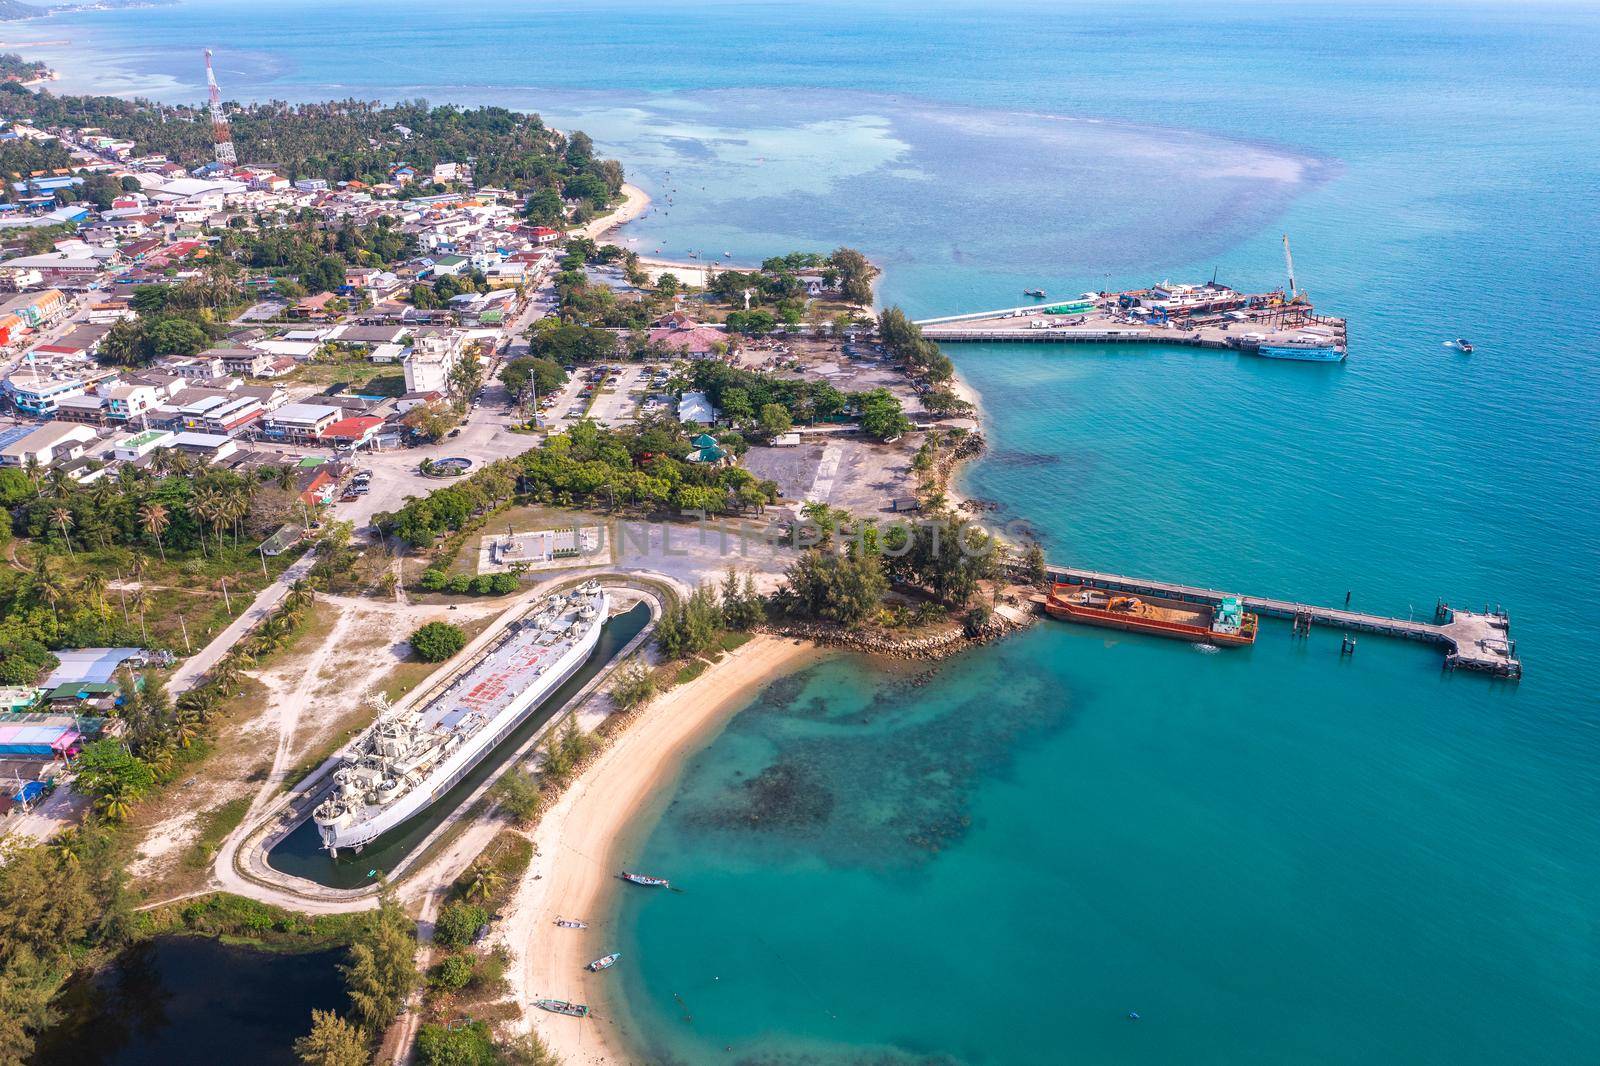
(238, 505)
(485, 882)
(60, 483)
(301, 595)
(63, 519)
(203, 505)
(154, 518)
(164, 460)
(48, 586)
(226, 674)
(105, 496)
(94, 583)
(104, 493)
(141, 602)
(64, 846)
(34, 470)
(116, 802)
(159, 756)
(128, 477)
(186, 728)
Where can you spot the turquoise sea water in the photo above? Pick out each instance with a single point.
(1272, 855)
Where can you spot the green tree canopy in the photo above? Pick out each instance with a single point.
(437, 641)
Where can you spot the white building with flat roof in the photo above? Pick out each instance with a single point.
(433, 358)
(301, 422)
(140, 444)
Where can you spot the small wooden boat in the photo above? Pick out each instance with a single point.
(648, 882)
(571, 923)
(603, 964)
(561, 1006)
(1037, 294)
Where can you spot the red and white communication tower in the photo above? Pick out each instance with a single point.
(219, 121)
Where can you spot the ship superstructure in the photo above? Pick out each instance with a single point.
(412, 755)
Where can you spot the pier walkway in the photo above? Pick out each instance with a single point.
(1471, 640)
(1241, 329)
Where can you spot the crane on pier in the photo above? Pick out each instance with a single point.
(219, 121)
(1288, 258)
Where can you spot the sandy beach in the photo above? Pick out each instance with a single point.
(580, 840)
(634, 202)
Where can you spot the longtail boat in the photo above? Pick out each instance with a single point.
(648, 882)
(561, 1006)
(603, 964)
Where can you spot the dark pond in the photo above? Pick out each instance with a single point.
(187, 999)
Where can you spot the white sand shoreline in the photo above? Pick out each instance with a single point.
(634, 203)
(580, 841)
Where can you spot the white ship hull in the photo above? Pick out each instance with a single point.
(458, 764)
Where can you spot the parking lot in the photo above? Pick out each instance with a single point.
(617, 393)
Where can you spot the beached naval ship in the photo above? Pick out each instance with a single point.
(411, 756)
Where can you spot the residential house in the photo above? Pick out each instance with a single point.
(300, 423)
(433, 358)
(38, 392)
(448, 265)
(212, 447)
(694, 342)
(204, 367)
(87, 409)
(127, 403)
(696, 407)
(140, 445)
(221, 415)
(354, 432)
(243, 362)
(80, 342)
(38, 310)
(313, 307)
(49, 443)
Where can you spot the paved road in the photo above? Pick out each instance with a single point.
(195, 666)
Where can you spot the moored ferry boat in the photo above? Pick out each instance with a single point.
(411, 756)
(1226, 624)
(1313, 352)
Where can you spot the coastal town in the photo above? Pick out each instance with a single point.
(384, 527)
(275, 442)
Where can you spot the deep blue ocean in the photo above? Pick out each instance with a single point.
(1275, 855)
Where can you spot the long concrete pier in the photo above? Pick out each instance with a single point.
(1237, 321)
(1471, 640)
